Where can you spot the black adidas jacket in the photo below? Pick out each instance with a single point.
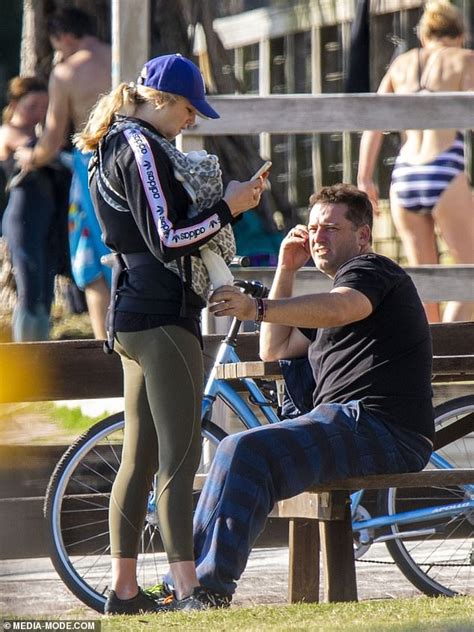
(142, 207)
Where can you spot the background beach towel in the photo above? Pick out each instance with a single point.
(85, 236)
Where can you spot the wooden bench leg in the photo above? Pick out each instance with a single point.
(338, 553)
(303, 580)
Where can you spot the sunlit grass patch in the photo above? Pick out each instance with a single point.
(394, 615)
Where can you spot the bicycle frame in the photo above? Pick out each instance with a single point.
(220, 388)
(406, 517)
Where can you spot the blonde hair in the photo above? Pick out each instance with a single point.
(124, 99)
(441, 19)
(19, 87)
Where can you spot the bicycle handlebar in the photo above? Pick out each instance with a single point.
(256, 289)
(240, 261)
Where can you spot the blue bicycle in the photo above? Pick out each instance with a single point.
(428, 532)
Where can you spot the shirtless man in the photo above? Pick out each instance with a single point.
(83, 73)
(429, 185)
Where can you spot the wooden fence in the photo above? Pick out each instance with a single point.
(78, 369)
(307, 114)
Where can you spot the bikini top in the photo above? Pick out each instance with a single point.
(424, 72)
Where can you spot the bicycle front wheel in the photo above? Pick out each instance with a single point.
(437, 554)
(77, 511)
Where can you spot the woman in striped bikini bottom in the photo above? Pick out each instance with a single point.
(419, 187)
(431, 195)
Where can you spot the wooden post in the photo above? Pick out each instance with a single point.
(130, 38)
(303, 577)
(186, 143)
(28, 40)
(338, 551)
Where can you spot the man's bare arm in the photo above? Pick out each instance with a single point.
(339, 307)
(294, 253)
(58, 117)
(290, 342)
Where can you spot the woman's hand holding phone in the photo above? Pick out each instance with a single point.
(241, 196)
(263, 171)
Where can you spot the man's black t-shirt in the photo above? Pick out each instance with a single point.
(384, 360)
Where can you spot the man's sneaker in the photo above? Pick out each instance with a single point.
(141, 603)
(200, 599)
(160, 591)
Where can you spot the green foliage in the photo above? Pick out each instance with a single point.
(73, 418)
(43, 423)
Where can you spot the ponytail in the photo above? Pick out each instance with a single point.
(124, 99)
(121, 99)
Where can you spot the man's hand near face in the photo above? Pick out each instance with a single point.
(294, 249)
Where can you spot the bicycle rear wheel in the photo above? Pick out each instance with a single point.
(438, 556)
(77, 511)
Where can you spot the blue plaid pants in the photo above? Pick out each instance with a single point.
(254, 469)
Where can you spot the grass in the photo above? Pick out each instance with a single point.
(64, 327)
(43, 423)
(386, 615)
(396, 615)
(72, 418)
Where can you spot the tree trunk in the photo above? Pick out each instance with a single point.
(41, 50)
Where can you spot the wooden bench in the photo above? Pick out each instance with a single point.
(320, 523)
(320, 527)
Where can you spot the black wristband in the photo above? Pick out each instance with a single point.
(260, 309)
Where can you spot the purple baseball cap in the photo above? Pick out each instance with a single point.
(177, 75)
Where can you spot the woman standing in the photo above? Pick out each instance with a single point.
(148, 216)
(429, 185)
(31, 221)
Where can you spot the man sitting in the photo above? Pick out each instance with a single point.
(369, 345)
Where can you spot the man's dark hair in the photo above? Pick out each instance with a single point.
(74, 21)
(359, 207)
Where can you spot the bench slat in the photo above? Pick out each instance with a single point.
(78, 369)
(306, 502)
(426, 478)
(310, 504)
(445, 368)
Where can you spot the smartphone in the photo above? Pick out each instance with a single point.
(264, 168)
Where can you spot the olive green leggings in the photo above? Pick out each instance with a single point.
(163, 381)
